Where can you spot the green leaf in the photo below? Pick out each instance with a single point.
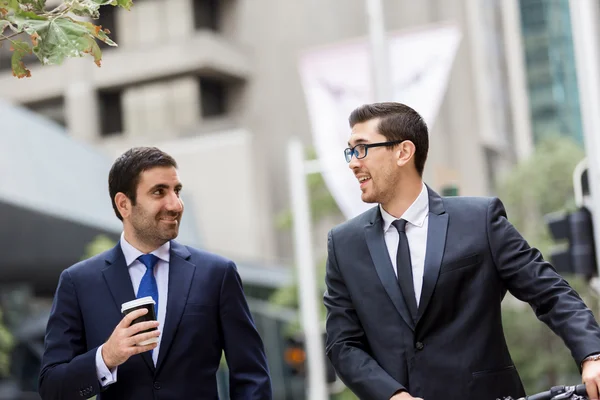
(126, 4)
(98, 32)
(37, 5)
(10, 4)
(59, 38)
(87, 7)
(20, 49)
(27, 20)
(3, 25)
(24, 16)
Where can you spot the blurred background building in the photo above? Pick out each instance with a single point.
(215, 83)
(550, 68)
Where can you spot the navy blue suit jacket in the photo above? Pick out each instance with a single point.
(206, 314)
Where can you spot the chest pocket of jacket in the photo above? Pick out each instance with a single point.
(464, 262)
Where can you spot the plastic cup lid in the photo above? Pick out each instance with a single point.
(137, 302)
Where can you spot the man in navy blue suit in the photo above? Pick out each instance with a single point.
(91, 349)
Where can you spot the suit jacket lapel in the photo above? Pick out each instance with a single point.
(436, 242)
(181, 274)
(118, 280)
(383, 265)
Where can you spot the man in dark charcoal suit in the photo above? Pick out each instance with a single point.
(414, 285)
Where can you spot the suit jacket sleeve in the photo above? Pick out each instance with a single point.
(248, 371)
(68, 369)
(346, 345)
(533, 280)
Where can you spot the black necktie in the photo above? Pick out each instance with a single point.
(404, 268)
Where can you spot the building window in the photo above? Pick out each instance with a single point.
(546, 112)
(213, 97)
(53, 109)
(111, 112)
(206, 14)
(533, 15)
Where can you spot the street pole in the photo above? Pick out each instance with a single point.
(305, 267)
(380, 64)
(584, 22)
(517, 78)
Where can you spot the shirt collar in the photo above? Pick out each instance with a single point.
(131, 253)
(414, 215)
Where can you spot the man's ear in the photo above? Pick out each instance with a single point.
(405, 152)
(123, 204)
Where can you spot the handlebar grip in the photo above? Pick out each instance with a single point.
(547, 395)
(580, 390)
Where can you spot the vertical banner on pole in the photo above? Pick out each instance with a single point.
(337, 78)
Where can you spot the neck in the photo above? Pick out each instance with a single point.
(138, 243)
(405, 195)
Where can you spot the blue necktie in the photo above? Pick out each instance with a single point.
(148, 286)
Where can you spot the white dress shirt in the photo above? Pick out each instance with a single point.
(417, 217)
(136, 272)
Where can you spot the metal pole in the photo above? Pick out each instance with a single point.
(380, 67)
(517, 78)
(584, 22)
(307, 280)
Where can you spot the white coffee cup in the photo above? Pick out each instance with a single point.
(147, 303)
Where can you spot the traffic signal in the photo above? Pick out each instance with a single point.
(576, 255)
(560, 230)
(294, 355)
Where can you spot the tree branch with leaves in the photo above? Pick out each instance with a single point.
(65, 31)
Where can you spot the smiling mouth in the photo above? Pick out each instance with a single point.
(363, 180)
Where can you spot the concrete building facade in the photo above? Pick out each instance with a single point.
(216, 83)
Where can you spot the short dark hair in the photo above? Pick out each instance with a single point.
(124, 176)
(397, 122)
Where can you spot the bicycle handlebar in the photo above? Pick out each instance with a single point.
(559, 392)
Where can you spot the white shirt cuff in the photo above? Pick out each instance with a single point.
(105, 376)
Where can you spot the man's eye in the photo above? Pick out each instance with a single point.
(158, 191)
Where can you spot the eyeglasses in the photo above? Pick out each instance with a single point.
(360, 150)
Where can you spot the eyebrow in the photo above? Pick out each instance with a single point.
(358, 141)
(164, 186)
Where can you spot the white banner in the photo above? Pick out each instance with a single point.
(337, 79)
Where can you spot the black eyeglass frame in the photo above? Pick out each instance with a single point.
(351, 151)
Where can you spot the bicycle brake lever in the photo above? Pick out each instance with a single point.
(569, 391)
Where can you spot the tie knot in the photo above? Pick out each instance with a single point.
(400, 225)
(149, 260)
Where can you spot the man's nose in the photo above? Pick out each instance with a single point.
(354, 163)
(174, 204)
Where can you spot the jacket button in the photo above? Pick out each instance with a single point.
(157, 385)
(419, 346)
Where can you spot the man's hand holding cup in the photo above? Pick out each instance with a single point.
(136, 333)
